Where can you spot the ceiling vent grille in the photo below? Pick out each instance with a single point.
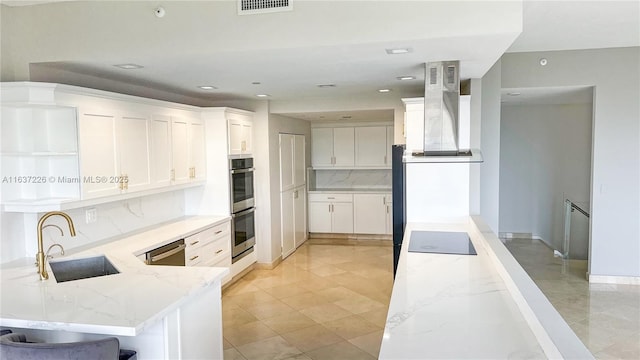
(247, 7)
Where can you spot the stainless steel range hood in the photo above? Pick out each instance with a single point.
(441, 116)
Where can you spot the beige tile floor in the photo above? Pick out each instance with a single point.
(605, 317)
(325, 301)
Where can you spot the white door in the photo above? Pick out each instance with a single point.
(319, 217)
(133, 152)
(370, 214)
(343, 146)
(342, 217)
(288, 222)
(300, 215)
(197, 150)
(161, 150)
(180, 150)
(98, 154)
(371, 148)
(322, 147)
(299, 162)
(286, 162)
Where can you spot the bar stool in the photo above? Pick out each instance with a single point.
(15, 346)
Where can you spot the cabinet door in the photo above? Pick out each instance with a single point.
(322, 147)
(197, 150)
(246, 137)
(235, 136)
(288, 222)
(133, 152)
(180, 150)
(342, 218)
(161, 150)
(414, 128)
(371, 148)
(299, 162)
(319, 217)
(390, 141)
(300, 216)
(343, 146)
(98, 154)
(286, 162)
(370, 216)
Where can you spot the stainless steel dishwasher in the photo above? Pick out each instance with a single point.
(171, 254)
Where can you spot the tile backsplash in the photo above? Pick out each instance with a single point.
(352, 179)
(113, 219)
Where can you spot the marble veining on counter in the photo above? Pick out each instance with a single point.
(120, 304)
(453, 306)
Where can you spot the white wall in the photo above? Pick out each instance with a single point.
(545, 157)
(19, 235)
(281, 124)
(615, 185)
(490, 146)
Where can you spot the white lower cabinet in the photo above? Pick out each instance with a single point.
(370, 214)
(209, 247)
(331, 213)
(351, 213)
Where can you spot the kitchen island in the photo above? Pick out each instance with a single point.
(471, 306)
(162, 312)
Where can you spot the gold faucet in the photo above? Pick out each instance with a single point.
(40, 257)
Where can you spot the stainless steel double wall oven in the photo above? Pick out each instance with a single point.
(242, 207)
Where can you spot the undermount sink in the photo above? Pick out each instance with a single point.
(77, 269)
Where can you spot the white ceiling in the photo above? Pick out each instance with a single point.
(319, 42)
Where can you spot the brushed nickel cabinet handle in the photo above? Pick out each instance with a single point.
(217, 232)
(219, 251)
(195, 242)
(193, 258)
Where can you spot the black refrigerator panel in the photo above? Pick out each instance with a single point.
(398, 171)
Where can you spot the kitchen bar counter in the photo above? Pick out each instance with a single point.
(466, 306)
(122, 304)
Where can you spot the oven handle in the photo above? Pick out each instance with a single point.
(242, 171)
(168, 253)
(243, 212)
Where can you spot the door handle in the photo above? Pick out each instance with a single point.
(195, 242)
(168, 253)
(193, 258)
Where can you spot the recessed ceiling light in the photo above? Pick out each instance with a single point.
(543, 61)
(326, 85)
(263, 95)
(384, 90)
(129, 66)
(397, 51)
(207, 87)
(513, 93)
(406, 78)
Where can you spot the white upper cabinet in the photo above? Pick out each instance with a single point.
(94, 144)
(299, 161)
(134, 152)
(240, 135)
(286, 162)
(114, 153)
(371, 146)
(98, 154)
(161, 154)
(332, 147)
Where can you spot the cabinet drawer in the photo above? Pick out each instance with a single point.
(331, 197)
(211, 252)
(204, 237)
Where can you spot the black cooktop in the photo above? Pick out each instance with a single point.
(441, 242)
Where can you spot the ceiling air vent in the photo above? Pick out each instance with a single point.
(248, 7)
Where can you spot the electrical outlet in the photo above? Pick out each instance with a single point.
(91, 215)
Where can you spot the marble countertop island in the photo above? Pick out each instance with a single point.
(120, 304)
(446, 306)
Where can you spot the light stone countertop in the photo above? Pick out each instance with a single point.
(461, 306)
(350, 190)
(121, 304)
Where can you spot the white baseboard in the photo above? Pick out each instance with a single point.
(618, 280)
